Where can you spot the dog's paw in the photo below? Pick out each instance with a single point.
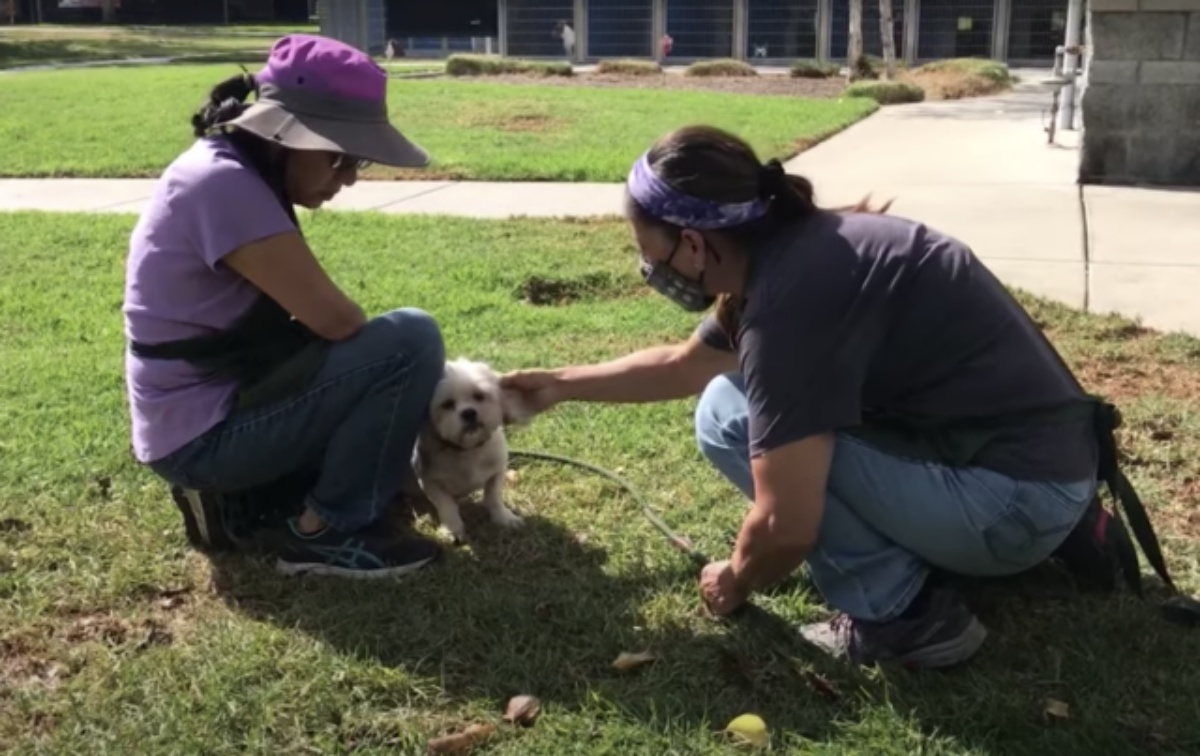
(453, 530)
(506, 518)
(455, 538)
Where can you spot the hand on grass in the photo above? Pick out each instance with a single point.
(720, 589)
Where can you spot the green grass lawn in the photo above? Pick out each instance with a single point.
(116, 639)
(48, 44)
(132, 122)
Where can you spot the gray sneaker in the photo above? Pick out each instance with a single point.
(938, 631)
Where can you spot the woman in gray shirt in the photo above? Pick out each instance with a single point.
(834, 332)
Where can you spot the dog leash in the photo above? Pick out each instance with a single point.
(748, 611)
(1179, 609)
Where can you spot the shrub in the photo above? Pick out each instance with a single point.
(963, 77)
(809, 69)
(727, 67)
(628, 67)
(490, 65)
(887, 92)
(864, 69)
(992, 70)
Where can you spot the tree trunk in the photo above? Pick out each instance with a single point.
(108, 13)
(889, 39)
(855, 49)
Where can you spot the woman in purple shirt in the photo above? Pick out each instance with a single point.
(246, 363)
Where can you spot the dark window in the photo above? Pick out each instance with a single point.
(620, 28)
(700, 28)
(460, 18)
(955, 29)
(1036, 28)
(782, 28)
(533, 27)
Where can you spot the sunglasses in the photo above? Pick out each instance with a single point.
(346, 162)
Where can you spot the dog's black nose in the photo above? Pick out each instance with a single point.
(469, 415)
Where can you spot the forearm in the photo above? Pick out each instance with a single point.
(650, 375)
(765, 556)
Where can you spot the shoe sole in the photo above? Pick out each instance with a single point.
(195, 524)
(317, 568)
(948, 653)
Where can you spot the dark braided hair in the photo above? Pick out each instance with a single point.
(226, 101)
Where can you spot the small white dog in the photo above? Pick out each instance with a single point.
(463, 449)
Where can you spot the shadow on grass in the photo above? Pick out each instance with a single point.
(541, 611)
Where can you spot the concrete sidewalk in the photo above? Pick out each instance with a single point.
(978, 169)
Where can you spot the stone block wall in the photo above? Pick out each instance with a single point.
(1141, 101)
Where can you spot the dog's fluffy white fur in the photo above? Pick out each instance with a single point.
(463, 448)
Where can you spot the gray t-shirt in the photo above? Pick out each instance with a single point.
(851, 312)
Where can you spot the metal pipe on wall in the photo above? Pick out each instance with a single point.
(1071, 61)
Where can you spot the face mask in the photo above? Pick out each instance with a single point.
(683, 291)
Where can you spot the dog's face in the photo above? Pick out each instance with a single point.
(467, 407)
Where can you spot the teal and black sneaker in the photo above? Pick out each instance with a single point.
(369, 553)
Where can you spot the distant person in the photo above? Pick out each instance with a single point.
(246, 363)
(563, 31)
(665, 44)
(887, 407)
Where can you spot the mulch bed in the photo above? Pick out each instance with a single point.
(771, 84)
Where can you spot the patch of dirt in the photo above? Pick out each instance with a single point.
(24, 663)
(13, 525)
(116, 631)
(1123, 380)
(769, 84)
(557, 292)
(527, 122)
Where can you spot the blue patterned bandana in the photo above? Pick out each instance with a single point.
(663, 201)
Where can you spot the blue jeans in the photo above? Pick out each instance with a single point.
(888, 521)
(357, 423)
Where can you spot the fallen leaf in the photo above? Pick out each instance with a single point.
(1052, 708)
(749, 728)
(626, 661)
(822, 685)
(461, 742)
(522, 710)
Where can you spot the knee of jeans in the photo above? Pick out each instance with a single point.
(411, 332)
(721, 417)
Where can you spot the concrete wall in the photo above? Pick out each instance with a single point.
(361, 23)
(1141, 104)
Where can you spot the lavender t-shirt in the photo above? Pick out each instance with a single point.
(207, 203)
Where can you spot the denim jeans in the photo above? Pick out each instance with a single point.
(357, 423)
(888, 520)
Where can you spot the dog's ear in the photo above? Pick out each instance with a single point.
(515, 410)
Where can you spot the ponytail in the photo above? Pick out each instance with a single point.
(792, 199)
(226, 102)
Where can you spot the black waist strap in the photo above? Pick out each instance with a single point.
(266, 352)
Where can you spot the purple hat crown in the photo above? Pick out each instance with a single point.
(325, 67)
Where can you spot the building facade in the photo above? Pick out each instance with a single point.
(1022, 32)
(1141, 102)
